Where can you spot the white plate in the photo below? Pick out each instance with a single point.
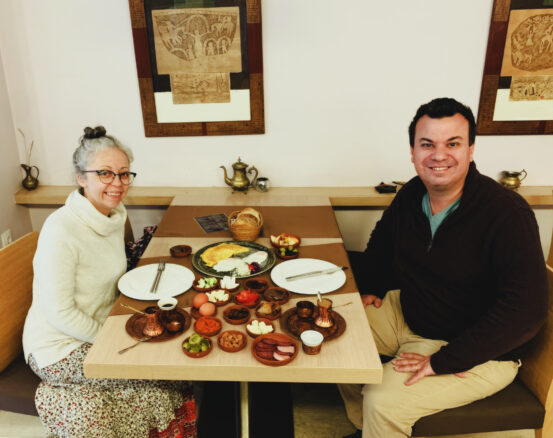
(311, 285)
(137, 283)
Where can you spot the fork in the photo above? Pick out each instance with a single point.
(160, 269)
(143, 339)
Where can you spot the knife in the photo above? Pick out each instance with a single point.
(315, 273)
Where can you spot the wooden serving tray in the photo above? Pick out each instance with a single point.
(135, 325)
(292, 324)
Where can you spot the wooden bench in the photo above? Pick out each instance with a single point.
(17, 382)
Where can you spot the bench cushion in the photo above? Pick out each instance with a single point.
(512, 408)
(18, 385)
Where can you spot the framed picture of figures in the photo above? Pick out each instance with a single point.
(517, 88)
(199, 65)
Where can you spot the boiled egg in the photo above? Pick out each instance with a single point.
(200, 299)
(207, 309)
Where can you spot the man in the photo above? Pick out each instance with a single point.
(458, 261)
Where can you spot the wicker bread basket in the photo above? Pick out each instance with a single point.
(246, 230)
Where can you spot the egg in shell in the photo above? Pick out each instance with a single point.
(200, 299)
(207, 309)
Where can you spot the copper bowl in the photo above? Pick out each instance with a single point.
(305, 309)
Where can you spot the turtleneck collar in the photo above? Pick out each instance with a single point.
(100, 223)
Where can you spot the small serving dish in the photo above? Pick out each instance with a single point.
(199, 354)
(208, 326)
(232, 341)
(277, 295)
(274, 349)
(180, 251)
(256, 284)
(268, 309)
(243, 299)
(285, 240)
(195, 285)
(218, 296)
(287, 254)
(223, 284)
(265, 321)
(236, 314)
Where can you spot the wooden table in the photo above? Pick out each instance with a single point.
(351, 358)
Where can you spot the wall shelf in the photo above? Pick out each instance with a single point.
(351, 197)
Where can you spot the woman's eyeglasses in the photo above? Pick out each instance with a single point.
(107, 176)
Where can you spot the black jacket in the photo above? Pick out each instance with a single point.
(480, 284)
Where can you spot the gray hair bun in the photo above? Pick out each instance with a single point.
(97, 132)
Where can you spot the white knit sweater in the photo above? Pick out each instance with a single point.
(79, 258)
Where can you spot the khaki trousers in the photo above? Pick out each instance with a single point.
(390, 409)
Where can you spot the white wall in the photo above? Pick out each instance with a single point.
(13, 217)
(342, 80)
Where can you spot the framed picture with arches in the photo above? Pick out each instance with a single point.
(199, 66)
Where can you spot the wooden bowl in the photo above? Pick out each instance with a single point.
(279, 245)
(198, 355)
(275, 337)
(180, 251)
(206, 289)
(271, 316)
(266, 321)
(286, 257)
(244, 231)
(212, 331)
(243, 320)
(250, 306)
(233, 349)
(277, 294)
(256, 284)
(221, 303)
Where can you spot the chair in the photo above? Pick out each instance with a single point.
(17, 382)
(527, 403)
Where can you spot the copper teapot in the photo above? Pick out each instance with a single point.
(511, 179)
(239, 180)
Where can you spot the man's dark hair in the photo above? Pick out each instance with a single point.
(443, 107)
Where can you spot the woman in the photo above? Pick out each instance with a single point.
(78, 261)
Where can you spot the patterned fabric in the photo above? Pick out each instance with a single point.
(71, 405)
(135, 249)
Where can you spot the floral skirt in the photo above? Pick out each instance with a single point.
(71, 405)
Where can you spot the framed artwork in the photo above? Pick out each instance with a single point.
(517, 88)
(199, 65)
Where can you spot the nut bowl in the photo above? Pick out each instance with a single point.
(232, 341)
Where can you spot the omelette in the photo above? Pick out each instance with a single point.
(223, 251)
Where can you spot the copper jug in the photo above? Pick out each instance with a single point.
(153, 327)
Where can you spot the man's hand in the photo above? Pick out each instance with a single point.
(418, 364)
(371, 299)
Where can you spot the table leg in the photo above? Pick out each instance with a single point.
(244, 410)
